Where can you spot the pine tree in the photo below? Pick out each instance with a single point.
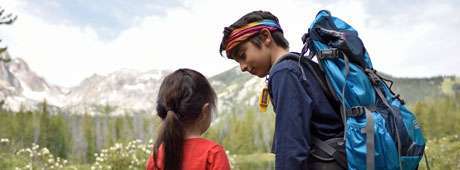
(89, 134)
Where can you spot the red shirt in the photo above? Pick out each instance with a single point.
(199, 154)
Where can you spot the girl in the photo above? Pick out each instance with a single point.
(185, 102)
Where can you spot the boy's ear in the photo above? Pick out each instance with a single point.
(266, 36)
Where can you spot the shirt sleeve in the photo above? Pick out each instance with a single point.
(293, 108)
(218, 159)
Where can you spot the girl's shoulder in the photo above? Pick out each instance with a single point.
(203, 145)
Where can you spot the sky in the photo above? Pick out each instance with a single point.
(66, 41)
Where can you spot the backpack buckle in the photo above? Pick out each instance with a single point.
(328, 53)
(356, 111)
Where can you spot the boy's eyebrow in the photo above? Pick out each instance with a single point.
(242, 49)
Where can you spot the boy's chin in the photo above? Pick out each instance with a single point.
(260, 75)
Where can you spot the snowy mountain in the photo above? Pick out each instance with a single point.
(21, 87)
(235, 88)
(121, 91)
(124, 91)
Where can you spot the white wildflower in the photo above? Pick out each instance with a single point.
(34, 146)
(4, 140)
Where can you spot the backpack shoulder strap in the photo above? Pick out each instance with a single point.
(316, 71)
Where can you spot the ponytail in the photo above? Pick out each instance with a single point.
(172, 137)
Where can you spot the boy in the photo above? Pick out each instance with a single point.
(303, 113)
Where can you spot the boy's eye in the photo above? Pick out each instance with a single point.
(242, 56)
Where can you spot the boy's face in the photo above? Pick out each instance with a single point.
(253, 59)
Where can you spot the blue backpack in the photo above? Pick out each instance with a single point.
(380, 132)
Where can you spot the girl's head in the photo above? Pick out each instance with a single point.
(185, 101)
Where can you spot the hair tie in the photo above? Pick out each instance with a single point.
(172, 113)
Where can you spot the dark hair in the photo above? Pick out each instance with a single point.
(182, 95)
(256, 39)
